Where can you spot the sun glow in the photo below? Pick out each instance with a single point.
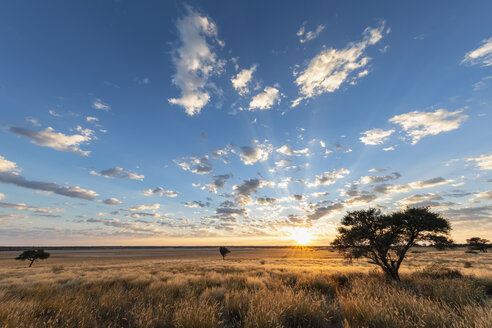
(302, 236)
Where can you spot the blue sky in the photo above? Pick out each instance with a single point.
(206, 123)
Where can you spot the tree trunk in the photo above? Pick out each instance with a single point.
(32, 261)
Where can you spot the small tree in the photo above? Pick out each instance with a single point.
(477, 243)
(224, 251)
(33, 255)
(384, 239)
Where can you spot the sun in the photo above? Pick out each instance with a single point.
(302, 236)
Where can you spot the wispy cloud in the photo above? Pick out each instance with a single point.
(309, 35)
(481, 56)
(332, 67)
(118, 172)
(99, 104)
(420, 124)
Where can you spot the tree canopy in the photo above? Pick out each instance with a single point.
(384, 239)
(478, 244)
(33, 255)
(224, 251)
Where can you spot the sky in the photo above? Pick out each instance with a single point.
(240, 122)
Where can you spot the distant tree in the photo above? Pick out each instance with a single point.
(224, 251)
(384, 239)
(478, 244)
(33, 255)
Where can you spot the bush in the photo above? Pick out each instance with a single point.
(467, 264)
(57, 268)
(439, 271)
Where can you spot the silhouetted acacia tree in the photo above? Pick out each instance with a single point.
(33, 255)
(384, 239)
(224, 251)
(477, 243)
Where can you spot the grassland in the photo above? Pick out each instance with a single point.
(253, 287)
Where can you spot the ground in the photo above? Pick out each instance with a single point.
(252, 287)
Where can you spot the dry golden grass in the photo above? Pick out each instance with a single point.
(279, 287)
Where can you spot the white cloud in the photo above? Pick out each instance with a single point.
(486, 195)
(6, 165)
(112, 201)
(53, 113)
(195, 61)
(429, 183)
(484, 162)
(286, 150)
(332, 67)
(33, 121)
(2, 196)
(420, 124)
(99, 104)
(74, 192)
(328, 178)
(91, 119)
(144, 207)
(257, 153)
(240, 82)
(482, 55)
(118, 172)
(195, 164)
(310, 35)
(265, 99)
(375, 136)
(389, 148)
(57, 140)
(377, 179)
(160, 191)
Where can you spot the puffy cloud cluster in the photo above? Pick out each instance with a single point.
(57, 140)
(218, 182)
(257, 153)
(196, 165)
(241, 80)
(244, 190)
(287, 150)
(160, 191)
(266, 99)
(328, 178)
(378, 179)
(118, 172)
(195, 61)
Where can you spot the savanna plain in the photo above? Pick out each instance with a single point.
(252, 287)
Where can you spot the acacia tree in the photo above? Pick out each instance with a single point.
(384, 239)
(477, 243)
(224, 251)
(33, 255)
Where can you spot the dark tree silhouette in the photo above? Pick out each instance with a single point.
(33, 255)
(478, 244)
(224, 251)
(384, 239)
